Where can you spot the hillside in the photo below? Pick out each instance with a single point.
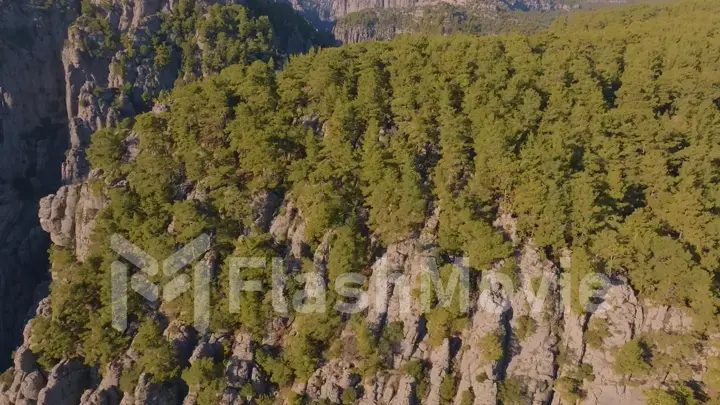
(589, 151)
(359, 21)
(69, 68)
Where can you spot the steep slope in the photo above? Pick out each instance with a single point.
(586, 152)
(353, 21)
(33, 137)
(68, 69)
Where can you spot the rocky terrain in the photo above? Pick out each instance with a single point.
(63, 76)
(69, 82)
(33, 138)
(359, 21)
(531, 358)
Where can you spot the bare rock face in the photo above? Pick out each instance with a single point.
(33, 134)
(439, 358)
(619, 310)
(148, 393)
(32, 384)
(535, 314)
(69, 216)
(264, 204)
(403, 395)
(183, 338)
(107, 393)
(66, 383)
(239, 367)
(476, 373)
(57, 215)
(289, 226)
(208, 347)
(329, 381)
(27, 378)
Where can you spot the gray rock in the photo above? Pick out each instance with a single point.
(149, 393)
(239, 366)
(533, 358)
(32, 384)
(66, 383)
(108, 391)
(439, 359)
(183, 338)
(57, 215)
(69, 216)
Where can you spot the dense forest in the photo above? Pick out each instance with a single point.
(600, 136)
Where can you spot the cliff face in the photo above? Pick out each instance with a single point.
(557, 355)
(325, 12)
(531, 357)
(354, 22)
(33, 138)
(64, 76)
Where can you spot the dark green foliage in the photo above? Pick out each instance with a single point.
(349, 396)
(441, 19)
(448, 389)
(106, 150)
(157, 355)
(525, 327)
(444, 321)
(418, 370)
(206, 380)
(673, 395)
(491, 347)
(634, 359)
(598, 329)
(599, 135)
(512, 392)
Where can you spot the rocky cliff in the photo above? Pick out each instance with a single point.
(510, 346)
(557, 360)
(33, 138)
(353, 21)
(67, 71)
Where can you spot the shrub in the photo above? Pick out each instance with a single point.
(490, 346)
(280, 373)
(675, 395)
(448, 387)
(511, 392)
(50, 351)
(157, 356)
(525, 327)
(162, 55)
(467, 398)
(349, 396)
(660, 397)
(106, 150)
(206, 379)
(633, 358)
(102, 343)
(415, 369)
(598, 329)
(568, 389)
(87, 8)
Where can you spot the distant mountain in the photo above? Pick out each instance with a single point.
(363, 20)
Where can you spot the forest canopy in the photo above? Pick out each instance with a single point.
(600, 135)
